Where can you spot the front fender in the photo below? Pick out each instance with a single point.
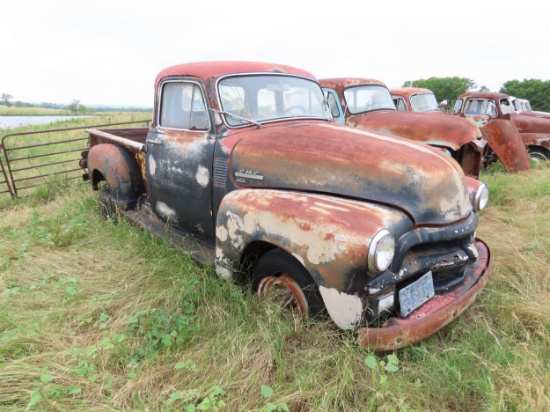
(503, 137)
(329, 236)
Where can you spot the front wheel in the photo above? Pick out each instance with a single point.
(538, 154)
(280, 278)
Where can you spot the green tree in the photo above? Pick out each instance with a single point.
(444, 88)
(74, 107)
(6, 98)
(535, 90)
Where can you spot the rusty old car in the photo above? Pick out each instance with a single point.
(496, 115)
(244, 168)
(367, 104)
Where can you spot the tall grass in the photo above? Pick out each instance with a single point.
(104, 317)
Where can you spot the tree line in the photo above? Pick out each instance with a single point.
(449, 88)
(74, 107)
(445, 88)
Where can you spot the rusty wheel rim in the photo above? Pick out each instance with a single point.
(284, 291)
(537, 156)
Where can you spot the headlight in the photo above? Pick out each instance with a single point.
(481, 198)
(381, 251)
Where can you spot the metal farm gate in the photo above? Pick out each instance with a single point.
(35, 158)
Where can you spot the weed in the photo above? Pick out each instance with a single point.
(267, 393)
(162, 328)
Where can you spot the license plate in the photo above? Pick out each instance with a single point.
(415, 294)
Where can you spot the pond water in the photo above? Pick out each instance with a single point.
(8, 122)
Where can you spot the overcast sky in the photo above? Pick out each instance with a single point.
(109, 51)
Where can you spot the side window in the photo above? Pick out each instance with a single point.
(458, 106)
(183, 107)
(505, 106)
(333, 105)
(400, 104)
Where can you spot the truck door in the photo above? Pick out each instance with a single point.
(334, 104)
(179, 159)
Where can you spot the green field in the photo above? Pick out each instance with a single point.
(31, 111)
(99, 316)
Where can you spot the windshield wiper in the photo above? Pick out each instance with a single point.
(257, 124)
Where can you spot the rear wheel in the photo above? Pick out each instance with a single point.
(538, 154)
(281, 279)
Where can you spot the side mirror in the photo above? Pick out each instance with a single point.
(443, 104)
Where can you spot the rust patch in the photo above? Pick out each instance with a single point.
(364, 165)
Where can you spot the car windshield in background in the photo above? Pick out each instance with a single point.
(264, 98)
(360, 99)
(425, 102)
(480, 107)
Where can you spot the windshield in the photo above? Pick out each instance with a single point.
(480, 107)
(261, 98)
(361, 99)
(425, 102)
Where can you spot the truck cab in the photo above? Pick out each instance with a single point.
(414, 99)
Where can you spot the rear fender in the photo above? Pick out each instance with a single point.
(329, 236)
(536, 139)
(118, 167)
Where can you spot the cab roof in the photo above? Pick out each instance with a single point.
(483, 95)
(340, 83)
(216, 69)
(410, 91)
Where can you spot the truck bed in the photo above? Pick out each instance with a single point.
(133, 138)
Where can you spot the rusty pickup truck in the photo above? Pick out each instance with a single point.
(367, 104)
(244, 168)
(497, 110)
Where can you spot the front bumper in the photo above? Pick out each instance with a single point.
(439, 311)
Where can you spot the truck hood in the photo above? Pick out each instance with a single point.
(531, 124)
(438, 129)
(335, 159)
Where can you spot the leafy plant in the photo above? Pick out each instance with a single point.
(267, 392)
(162, 328)
(383, 366)
(380, 368)
(211, 402)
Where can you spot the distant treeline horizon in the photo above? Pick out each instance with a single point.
(81, 108)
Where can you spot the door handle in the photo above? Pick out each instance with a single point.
(154, 141)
